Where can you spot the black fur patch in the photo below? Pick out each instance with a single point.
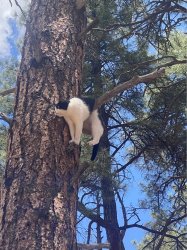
(90, 102)
(62, 105)
(94, 151)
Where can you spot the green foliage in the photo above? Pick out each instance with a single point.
(177, 50)
(163, 129)
(8, 71)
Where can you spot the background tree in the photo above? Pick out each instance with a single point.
(140, 134)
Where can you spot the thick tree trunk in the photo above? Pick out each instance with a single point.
(39, 204)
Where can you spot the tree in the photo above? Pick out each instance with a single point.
(39, 200)
(133, 101)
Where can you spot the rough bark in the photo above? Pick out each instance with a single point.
(39, 199)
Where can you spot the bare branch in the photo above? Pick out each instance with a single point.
(16, 2)
(7, 92)
(179, 8)
(174, 62)
(80, 171)
(123, 212)
(127, 85)
(93, 246)
(94, 217)
(5, 118)
(156, 60)
(149, 230)
(10, 3)
(131, 160)
(89, 27)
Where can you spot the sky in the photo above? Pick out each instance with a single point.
(11, 31)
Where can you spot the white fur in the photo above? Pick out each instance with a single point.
(79, 119)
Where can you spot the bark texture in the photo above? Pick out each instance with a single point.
(39, 199)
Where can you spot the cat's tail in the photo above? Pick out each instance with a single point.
(94, 151)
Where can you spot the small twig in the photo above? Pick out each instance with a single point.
(130, 161)
(80, 171)
(89, 27)
(10, 3)
(94, 217)
(16, 2)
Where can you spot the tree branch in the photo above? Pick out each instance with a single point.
(174, 62)
(156, 60)
(94, 217)
(89, 27)
(16, 2)
(131, 160)
(179, 8)
(93, 246)
(127, 85)
(7, 91)
(149, 230)
(5, 118)
(80, 171)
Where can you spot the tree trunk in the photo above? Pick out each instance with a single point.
(109, 204)
(39, 203)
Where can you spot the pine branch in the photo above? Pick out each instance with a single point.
(127, 85)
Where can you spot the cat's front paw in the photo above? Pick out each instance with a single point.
(71, 141)
(91, 143)
(77, 142)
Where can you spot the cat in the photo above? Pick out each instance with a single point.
(81, 118)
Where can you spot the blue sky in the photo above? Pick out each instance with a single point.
(13, 38)
(9, 18)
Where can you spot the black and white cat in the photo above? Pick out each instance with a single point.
(81, 118)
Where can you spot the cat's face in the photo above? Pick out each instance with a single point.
(61, 108)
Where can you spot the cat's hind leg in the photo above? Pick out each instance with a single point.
(71, 128)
